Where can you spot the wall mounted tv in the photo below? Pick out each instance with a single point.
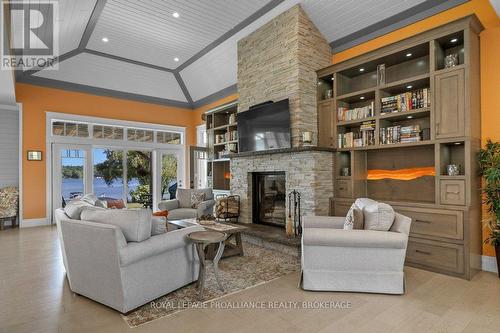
(264, 126)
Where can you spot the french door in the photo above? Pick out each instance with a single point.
(133, 175)
(71, 172)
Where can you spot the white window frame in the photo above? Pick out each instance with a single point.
(123, 144)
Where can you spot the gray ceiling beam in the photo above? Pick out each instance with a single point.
(233, 89)
(89, 29)
(395, 22)
(130, 61)
(184, 89)
(69, 86)
(270, 5)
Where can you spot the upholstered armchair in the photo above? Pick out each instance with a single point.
(181, 208)
(334, 259)
(9, 205)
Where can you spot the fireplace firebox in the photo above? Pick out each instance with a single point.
(269, 198)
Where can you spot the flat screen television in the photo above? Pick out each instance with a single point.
(265, 126)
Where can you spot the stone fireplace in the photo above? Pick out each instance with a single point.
(275, 62)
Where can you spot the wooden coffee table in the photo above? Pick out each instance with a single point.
(202, 239)
(233, 243)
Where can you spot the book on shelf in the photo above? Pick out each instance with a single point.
(407, 101)
(346, 114)
(365, 136)
(400, 134)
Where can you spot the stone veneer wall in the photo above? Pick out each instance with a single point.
(309, 172)
(279, 61)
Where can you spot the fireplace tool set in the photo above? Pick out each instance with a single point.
(294, 222)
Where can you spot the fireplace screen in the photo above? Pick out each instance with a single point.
(269, 198)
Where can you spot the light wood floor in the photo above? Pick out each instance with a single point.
(35, 297)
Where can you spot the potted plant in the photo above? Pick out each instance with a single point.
(489, 161)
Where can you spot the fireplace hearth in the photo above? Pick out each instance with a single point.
(269, 198)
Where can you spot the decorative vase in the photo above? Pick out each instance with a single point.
(453, 169)
(497, 252)
(289, 226)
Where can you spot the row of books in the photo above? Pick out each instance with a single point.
(346, 114)
(228, 136)
(364, 137)
(416, 99)
(400, 134)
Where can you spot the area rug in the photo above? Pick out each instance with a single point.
(258, 266)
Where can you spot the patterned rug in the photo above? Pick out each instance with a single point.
(258, 266)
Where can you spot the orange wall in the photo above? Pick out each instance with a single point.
(490, 68)
(37, 100)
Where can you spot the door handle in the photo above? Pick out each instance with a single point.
(423, 221)
(423, 252)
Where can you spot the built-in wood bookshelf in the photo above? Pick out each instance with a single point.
(222, 140)
(438, 118)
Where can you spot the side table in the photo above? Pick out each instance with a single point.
(202, 239)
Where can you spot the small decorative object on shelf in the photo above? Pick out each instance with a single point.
(381, 73)
(345, 172)
(451, 60)
(227, 207)
(307, 138)
(294, 221)
(329, 94)
(453, 169)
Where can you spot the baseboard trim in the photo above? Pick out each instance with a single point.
(489, 264)
(28, 223)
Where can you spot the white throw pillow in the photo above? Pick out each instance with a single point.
(158, 225)
(378, 216)
(354, 218)
(134, 223)
(362, 202)
(74, 208)
(90, 198)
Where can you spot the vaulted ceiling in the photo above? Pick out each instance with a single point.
(184, 52)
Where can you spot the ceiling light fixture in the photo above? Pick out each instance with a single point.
(409, 54)
(105, 39)
(454, 40)
(458, 143)
(175, 14)
(409, 117)
(409, 86)
(176, 59)
(361, 69)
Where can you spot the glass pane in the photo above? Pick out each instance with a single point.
(108, 173)
(139, 178)
(168, 176)
(72, 169)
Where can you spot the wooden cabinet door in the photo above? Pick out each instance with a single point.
(449, 105)
(325, 124)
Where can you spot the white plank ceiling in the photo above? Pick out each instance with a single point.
(101, 72)
(144, 37)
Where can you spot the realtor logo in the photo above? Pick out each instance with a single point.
(30, 35)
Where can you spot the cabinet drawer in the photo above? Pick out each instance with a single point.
(452, 192)
(441, 256)
(435, 222)
(341, 208)
(343, 189)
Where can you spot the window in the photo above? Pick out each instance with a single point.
(61, 128)
(170, 138)
(139, 135)
(108, 132)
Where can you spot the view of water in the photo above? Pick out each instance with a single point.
(101, 189)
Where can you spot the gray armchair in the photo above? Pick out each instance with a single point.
(353, 260)
(180, 208)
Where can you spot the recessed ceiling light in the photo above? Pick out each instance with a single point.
(409, 54)
(409, 86)
(176, 59)
(458, 143)
(175, 14)
(361, 69)
(362, 97)
(105, 39)
(454, 40)
(409, 117)
(333, 78)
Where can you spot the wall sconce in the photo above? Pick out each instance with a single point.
(34, 155)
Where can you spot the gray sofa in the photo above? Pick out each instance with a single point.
(180, 208)
(101, 264)
(353, 260)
